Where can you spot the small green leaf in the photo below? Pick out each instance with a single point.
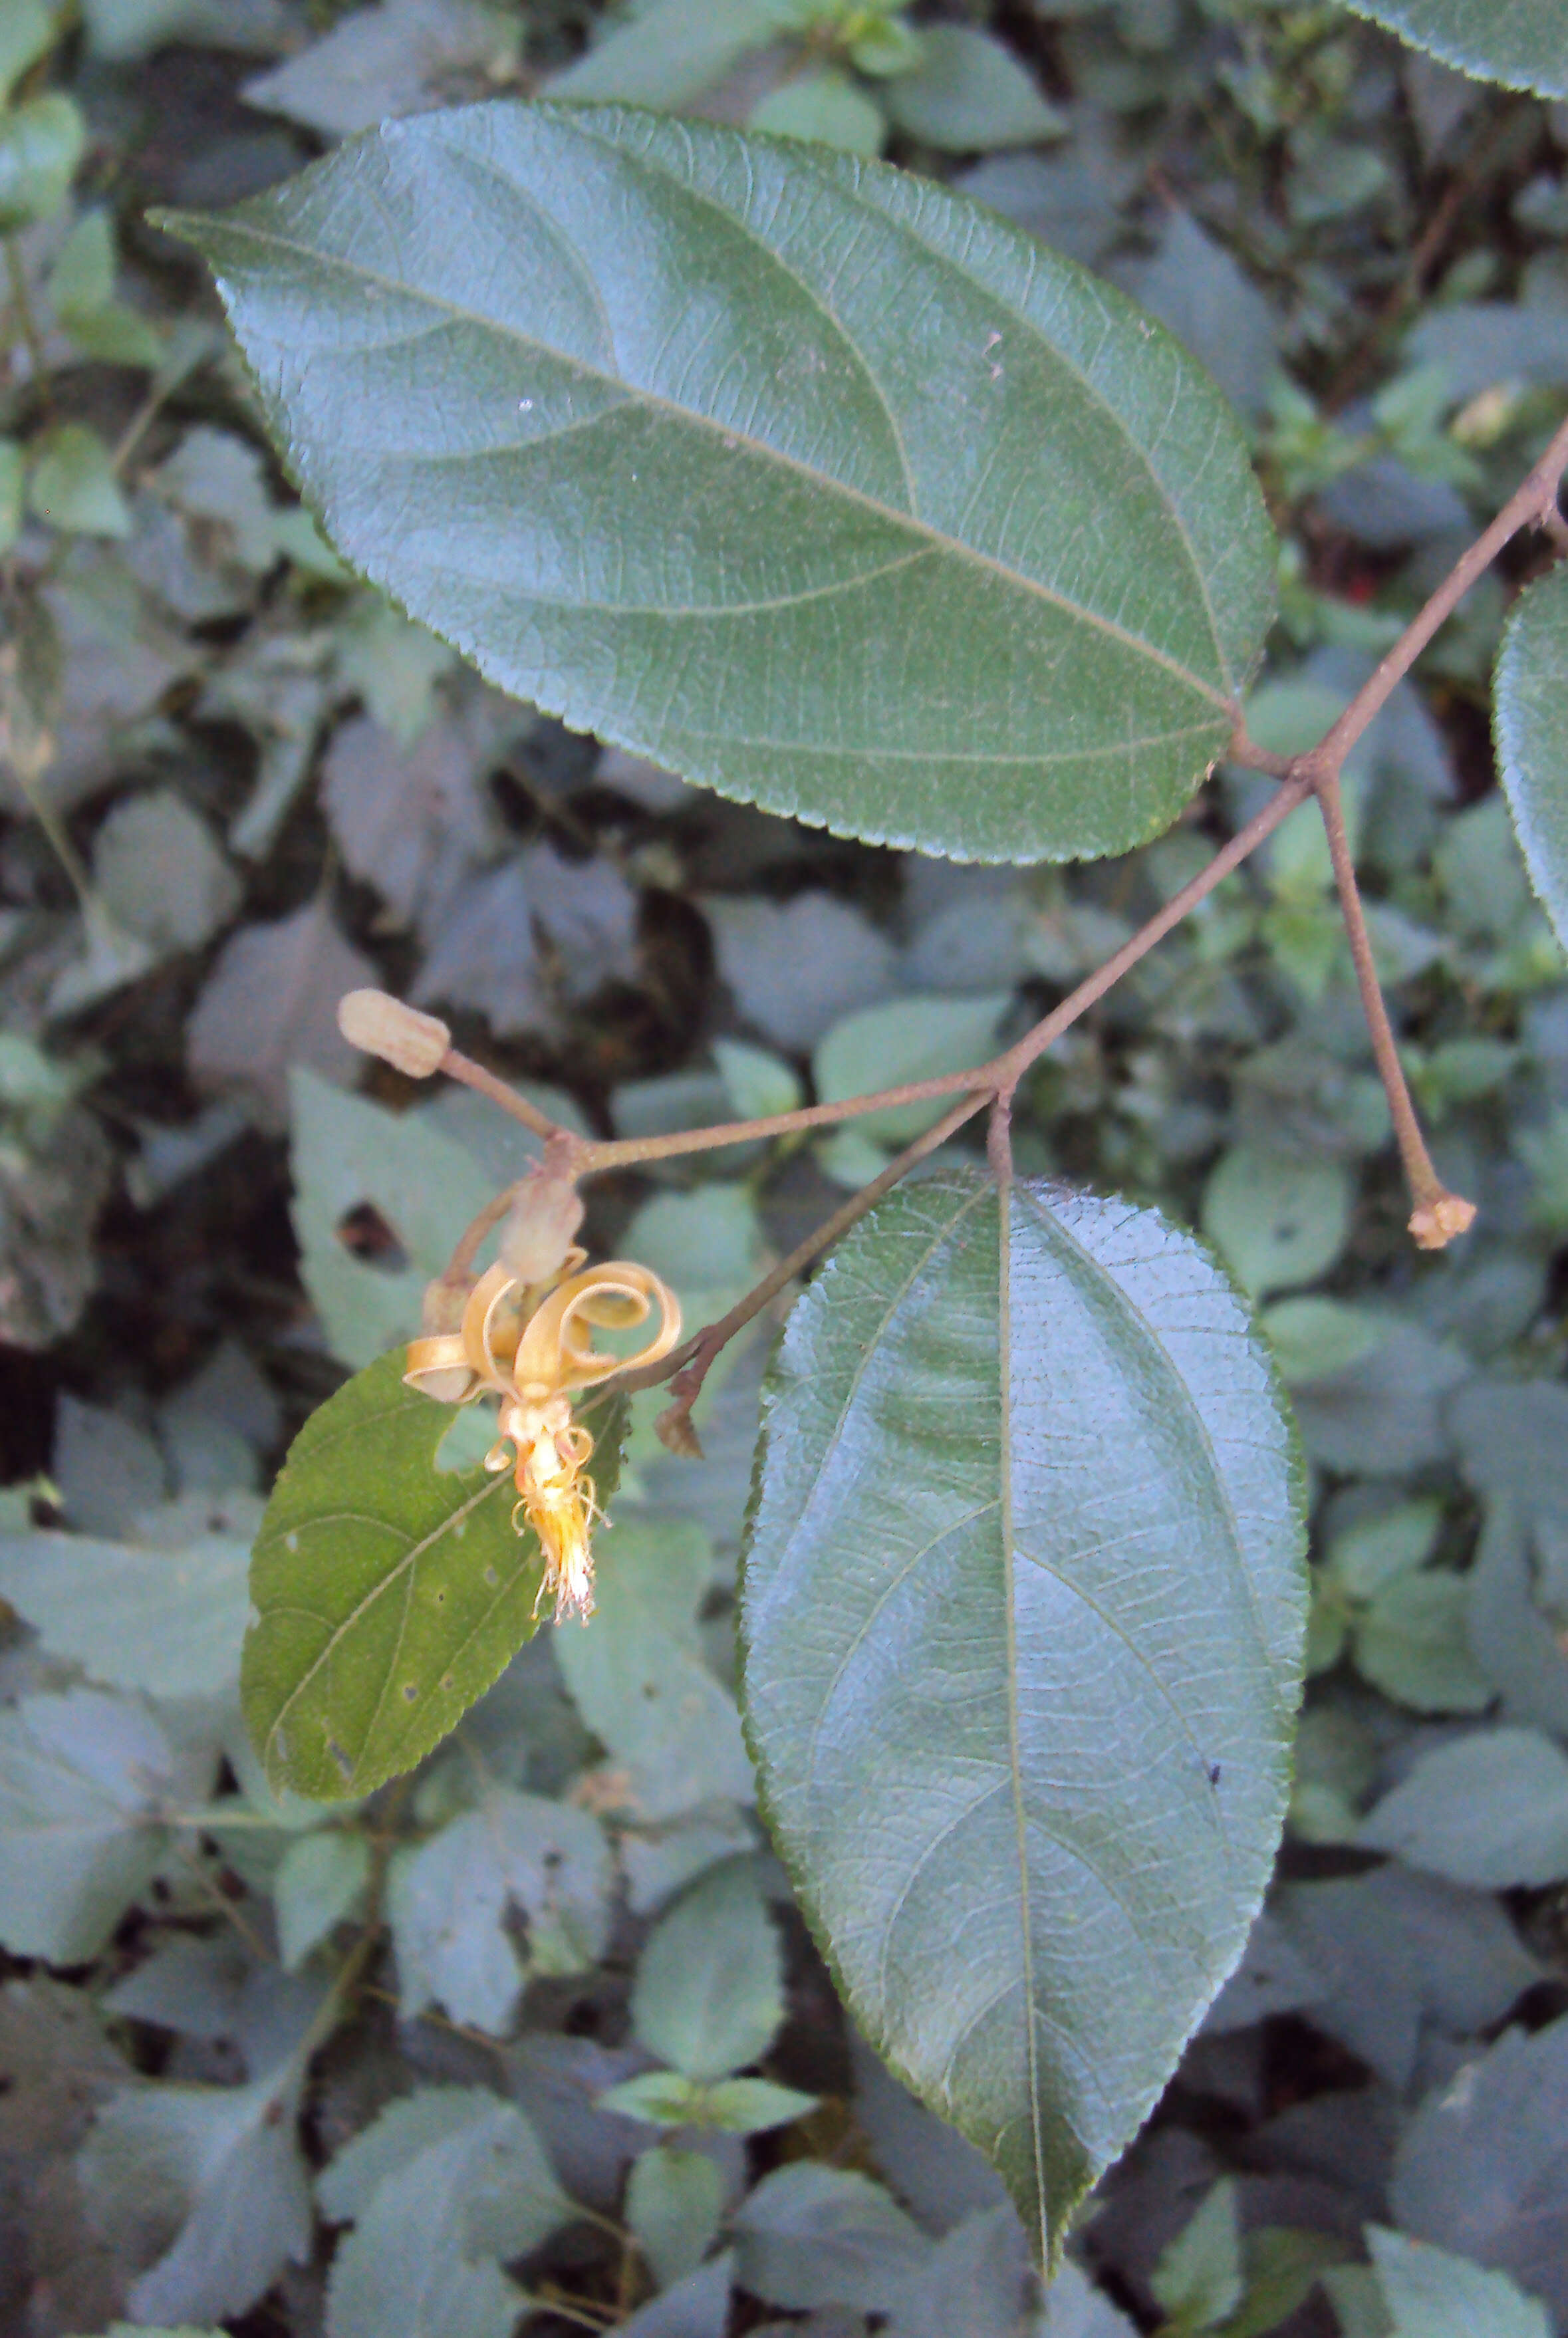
(40, 146)
(1530, 717)
(1413, 1644)
(1318, 1339)
(673, 2203)
(1279, 1221)
(710, 1991)
(473, 335)
(388, 1595)
(752, 2106)
(1431, 2295)
(756, 1083)
(906, 1040)
(969, 94)
(814, 2235)
(826, 108)
(659, 2097)
(73, 484)
(1005, 1434)
(668, 51)
(1523, 44)
(1198, 2279)
(27, 32)
(1489, 1809)
(319, 1880)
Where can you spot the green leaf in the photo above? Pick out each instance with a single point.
(659, 2097)
(347, 1154)
(73, 484)
(319, 1880)
(814, 2235)
(637, 1676)
(748, 552)
(388, 1596)
(674, 2200)
(1278, 1220)
(212, 2180)
(26, 32)
(40, 146)
(1198, 2279)
(752, 2106)
(757, 1082)
(1411, 1644)
(1431, 2295)
(907, 1039)
(167, 1621)
(1523, 44)
(1489, 1809)
(827, 108)
(710, 1991)
(1022, 1621)
(1530, 717)
(969, 94)
(669, 52)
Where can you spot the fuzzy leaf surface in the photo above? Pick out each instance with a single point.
(810, 480)
(1530, 715)
(388, 1595)
(1022, 1621)
(1523, 44)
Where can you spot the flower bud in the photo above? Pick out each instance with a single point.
(1436, 1222)
(538, 1233)
(382, 1025)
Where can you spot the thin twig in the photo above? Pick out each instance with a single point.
(458, 1066)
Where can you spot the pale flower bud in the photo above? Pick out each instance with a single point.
(1436, 1222)
(538, 1233)
(382, 1025)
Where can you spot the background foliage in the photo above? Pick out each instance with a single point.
(592, 2065)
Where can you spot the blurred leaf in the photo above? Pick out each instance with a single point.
(1430, 2293)
(1315, 1338)
(348, 1154)
(666, 53)
(1198, 2280)
(1480, 2168)
(813, 2236)
(208, 2182)
(160, 874)
(827, 108)
(954, 1396)
(1074, 2308)
(166, 1620)
(908, 1039)
(444, 2184)
(752, 2106)
(969, 95)
(1488, 1809)
(271, 1003)
(129, 28)
(384, 61)
(637, 1676)
(320, 1879)
(409, 820)
(41, 145)
(1532, 728)
(1193, 286)
(450, 1903)
(512, 942)
(72, 483)
(27, 34)
(84, 1781)
(709, 1990)
(1521, 42)
(1130, 655)
(1411, 1644)
(1279, 1221)
(388, 1596)
(795, 969)
(674, 2200)
(978, 2279)
(697, 2307)
(756, 1083)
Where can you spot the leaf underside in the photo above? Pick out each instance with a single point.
(388, 1595)
(1530, 715)
(1023, 1617)
(1523, 44)
(812, 480)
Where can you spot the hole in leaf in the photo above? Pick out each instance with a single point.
(366, 1236)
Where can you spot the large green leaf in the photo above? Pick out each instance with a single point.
(1530, 720)
(388, 1594)
(813, 481)
(1022, 1620)
(1522, 43)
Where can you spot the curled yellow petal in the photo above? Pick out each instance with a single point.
(556, 1349)
(439, 1368)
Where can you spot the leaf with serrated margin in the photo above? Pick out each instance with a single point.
(1530, 716)
(1523, 44)
(1022, 1620)
(388, 1595)
(813, 481)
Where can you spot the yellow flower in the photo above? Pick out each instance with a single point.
(532, 1344)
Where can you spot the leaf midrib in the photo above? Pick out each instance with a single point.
(931, 539)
